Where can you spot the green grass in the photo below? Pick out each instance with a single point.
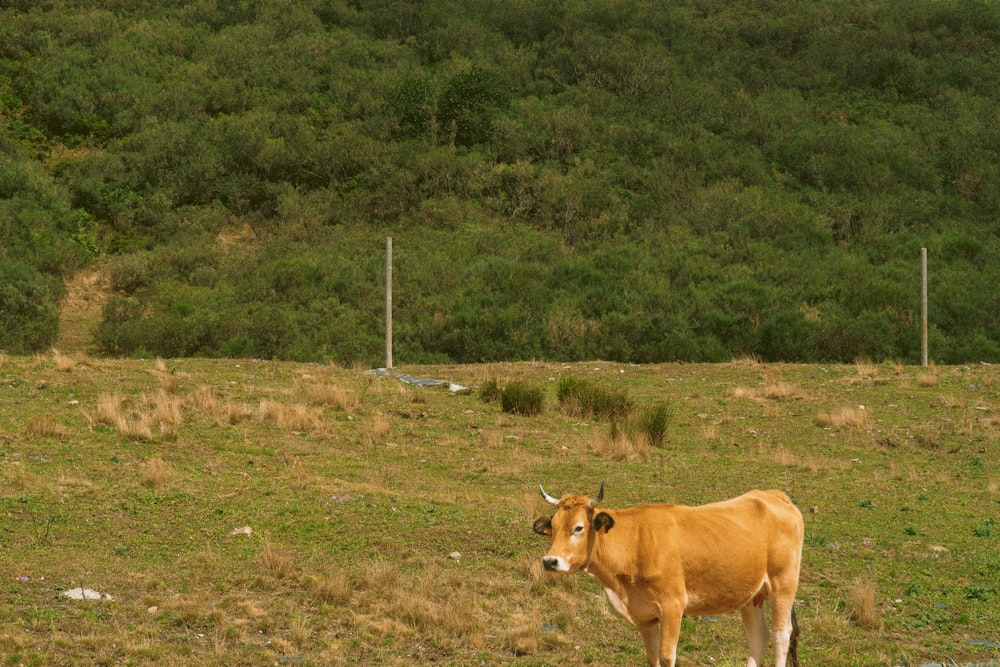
(356, 509)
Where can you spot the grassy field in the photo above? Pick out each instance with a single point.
(243, 512)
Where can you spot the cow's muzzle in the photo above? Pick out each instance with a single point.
(550, 562)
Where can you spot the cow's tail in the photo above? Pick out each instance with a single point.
(793, 642)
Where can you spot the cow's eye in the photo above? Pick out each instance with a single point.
(578, 529)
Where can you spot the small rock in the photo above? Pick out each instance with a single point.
(245, 530)
(85, 594)
(454, 555)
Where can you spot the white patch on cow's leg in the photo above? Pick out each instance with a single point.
(781, 619)
(755, 623)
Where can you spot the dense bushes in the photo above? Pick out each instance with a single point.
(564, 180)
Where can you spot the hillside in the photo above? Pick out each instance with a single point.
(575, 180)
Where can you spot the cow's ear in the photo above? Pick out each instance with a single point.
(543, 526)
(603, 521)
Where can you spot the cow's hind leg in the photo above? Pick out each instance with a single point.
(755, 624)
(793, 642)
(786, 631)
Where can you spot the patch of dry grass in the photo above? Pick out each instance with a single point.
(66, 363)
(333, 588)
(619, 444)
(863, 605)
(203, 401)
(375, 430)
(295, 417)
(770, 389)
(865, 369)
(277, 562)
(46, 427)
(155, 473)
(334, 396)
(113, 410)
(844, 418)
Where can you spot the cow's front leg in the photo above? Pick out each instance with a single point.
(650, 631)
(670, 632)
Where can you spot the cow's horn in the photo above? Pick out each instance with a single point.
(599, 498)
(549, 499)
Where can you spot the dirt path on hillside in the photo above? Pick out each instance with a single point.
(86, 293)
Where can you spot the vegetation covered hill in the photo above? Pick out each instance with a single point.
(634, 181)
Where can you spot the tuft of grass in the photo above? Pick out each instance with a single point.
(866, 370)
(928, 378)
(277, 562)
(584, 399)
(334, 396)
(155, 473)
(844, 418)
(294, 417)
(863, 606)
(620, 444)
(64, 363)
(523, 399)
(654, 421)
(334, 588)
(131, 424)
(44, 426)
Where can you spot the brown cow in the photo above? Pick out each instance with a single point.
(660, 562)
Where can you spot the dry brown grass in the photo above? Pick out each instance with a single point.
(46, 427)
(155, 473)
(375, 430)
(332, 588)
(234, 413)
(843, 418)
(65, 363)
(491, 439)
(790, 458)
(929, 377)
(295, 417)
(113, 411)
(203, 401)
(863, 606)
(770, 389)
(277, 562)
(750, 360)
(866, 369)
(334, 396)
(75, 484)
(619, 445)
(168, 408)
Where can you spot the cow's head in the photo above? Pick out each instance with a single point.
(571, 530)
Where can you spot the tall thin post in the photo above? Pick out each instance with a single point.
(388, 302)
(923, 306)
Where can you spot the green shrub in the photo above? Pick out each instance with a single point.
(29, 307)
(122, 330)
(521, 398)
(584, 399)
(490, 392)
(654, 421)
